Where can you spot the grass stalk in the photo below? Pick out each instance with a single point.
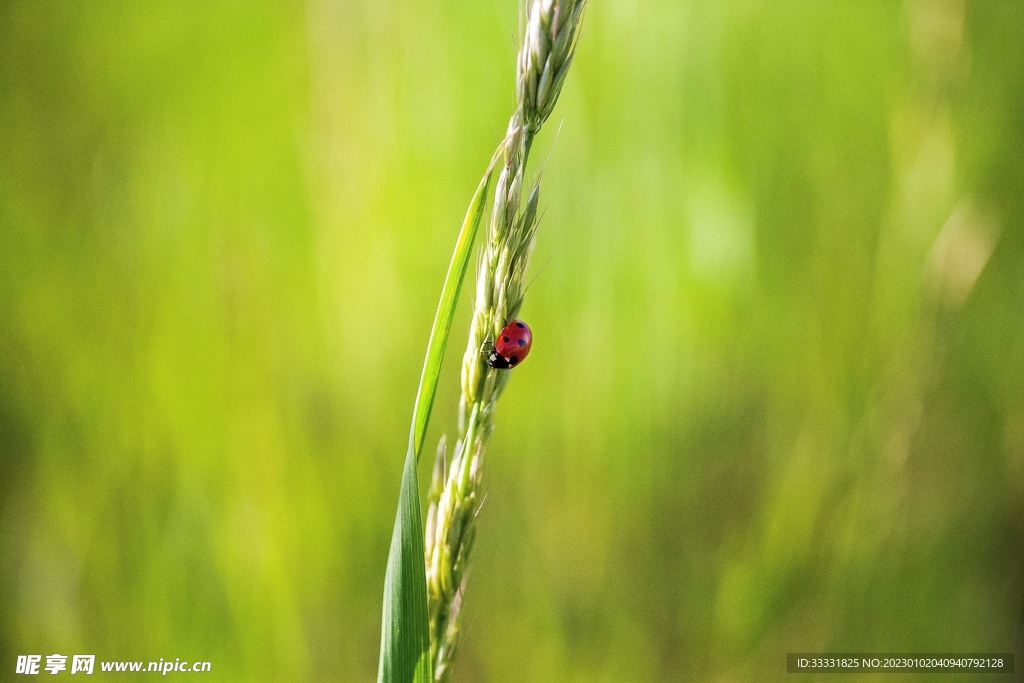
(548, 45)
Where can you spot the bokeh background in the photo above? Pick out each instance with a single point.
(775, 402)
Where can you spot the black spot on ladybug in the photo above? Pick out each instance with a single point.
(505, 339)
(520, 325)
(522, 342)
(513, 360)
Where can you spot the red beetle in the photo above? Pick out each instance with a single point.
(512, 346)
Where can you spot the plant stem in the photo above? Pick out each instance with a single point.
(546, 53)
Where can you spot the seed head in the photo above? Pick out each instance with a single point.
(548, 47)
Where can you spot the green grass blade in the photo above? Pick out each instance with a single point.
(445, 313)
(405, 639)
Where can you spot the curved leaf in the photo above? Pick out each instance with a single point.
(405, 639)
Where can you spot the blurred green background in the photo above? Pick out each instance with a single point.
(775, 402)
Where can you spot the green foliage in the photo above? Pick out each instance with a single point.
(445, 313)
(405, 637)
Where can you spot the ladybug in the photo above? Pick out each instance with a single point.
(511, 346)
